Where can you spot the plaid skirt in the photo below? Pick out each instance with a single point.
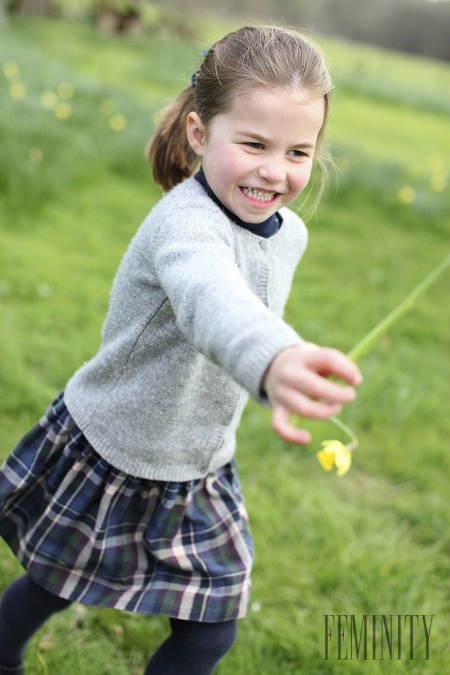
(90, 533)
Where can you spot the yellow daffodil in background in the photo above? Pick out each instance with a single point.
(438, 182)
(48, 99)
(62, 111)
(17, 90)
(117, 122)
(11, 70)
(335, 453)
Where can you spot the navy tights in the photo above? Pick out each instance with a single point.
(193, 648)
(24, 608)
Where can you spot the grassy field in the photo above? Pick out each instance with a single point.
(77, 110)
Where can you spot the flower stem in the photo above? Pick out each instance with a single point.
(354, 440)
(369, 340)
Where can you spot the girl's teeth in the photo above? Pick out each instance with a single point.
(259, 195)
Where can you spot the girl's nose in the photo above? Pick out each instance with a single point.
(272, 170)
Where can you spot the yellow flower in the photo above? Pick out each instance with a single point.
(438, 182)
(117, 122)
(49, 99)
(337, 454)
(11, 70)
(63, 111)
(17, 90)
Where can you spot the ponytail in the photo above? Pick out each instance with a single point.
(169, 151)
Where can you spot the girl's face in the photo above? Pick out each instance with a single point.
(257, 157)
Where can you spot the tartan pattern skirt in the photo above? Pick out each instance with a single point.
(92, 534)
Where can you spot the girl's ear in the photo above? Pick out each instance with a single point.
(195, 131)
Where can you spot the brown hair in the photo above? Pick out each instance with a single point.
(266, 56)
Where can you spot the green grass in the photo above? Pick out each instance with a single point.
(73, 193)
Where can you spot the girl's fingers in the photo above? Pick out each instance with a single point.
(297, 384)
(319, 388)
(282, 426)
(328, 361)
(299, 403)
(303, 384)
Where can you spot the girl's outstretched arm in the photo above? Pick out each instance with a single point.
(296, 383)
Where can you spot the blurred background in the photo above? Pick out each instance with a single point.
(413, 26)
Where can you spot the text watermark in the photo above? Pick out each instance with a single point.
(377, 637)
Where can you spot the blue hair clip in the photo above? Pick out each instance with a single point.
(204, 52)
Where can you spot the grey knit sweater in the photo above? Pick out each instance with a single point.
(193, 323)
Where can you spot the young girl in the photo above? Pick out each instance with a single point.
(126, 494)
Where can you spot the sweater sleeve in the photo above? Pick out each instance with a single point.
(216, 310)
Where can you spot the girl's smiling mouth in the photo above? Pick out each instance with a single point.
(260, 196)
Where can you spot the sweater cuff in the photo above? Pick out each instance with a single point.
(260, 359)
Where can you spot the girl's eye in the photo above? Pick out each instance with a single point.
(298, 153)
(255, 145)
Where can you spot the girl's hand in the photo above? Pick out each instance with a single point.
(296, 382)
